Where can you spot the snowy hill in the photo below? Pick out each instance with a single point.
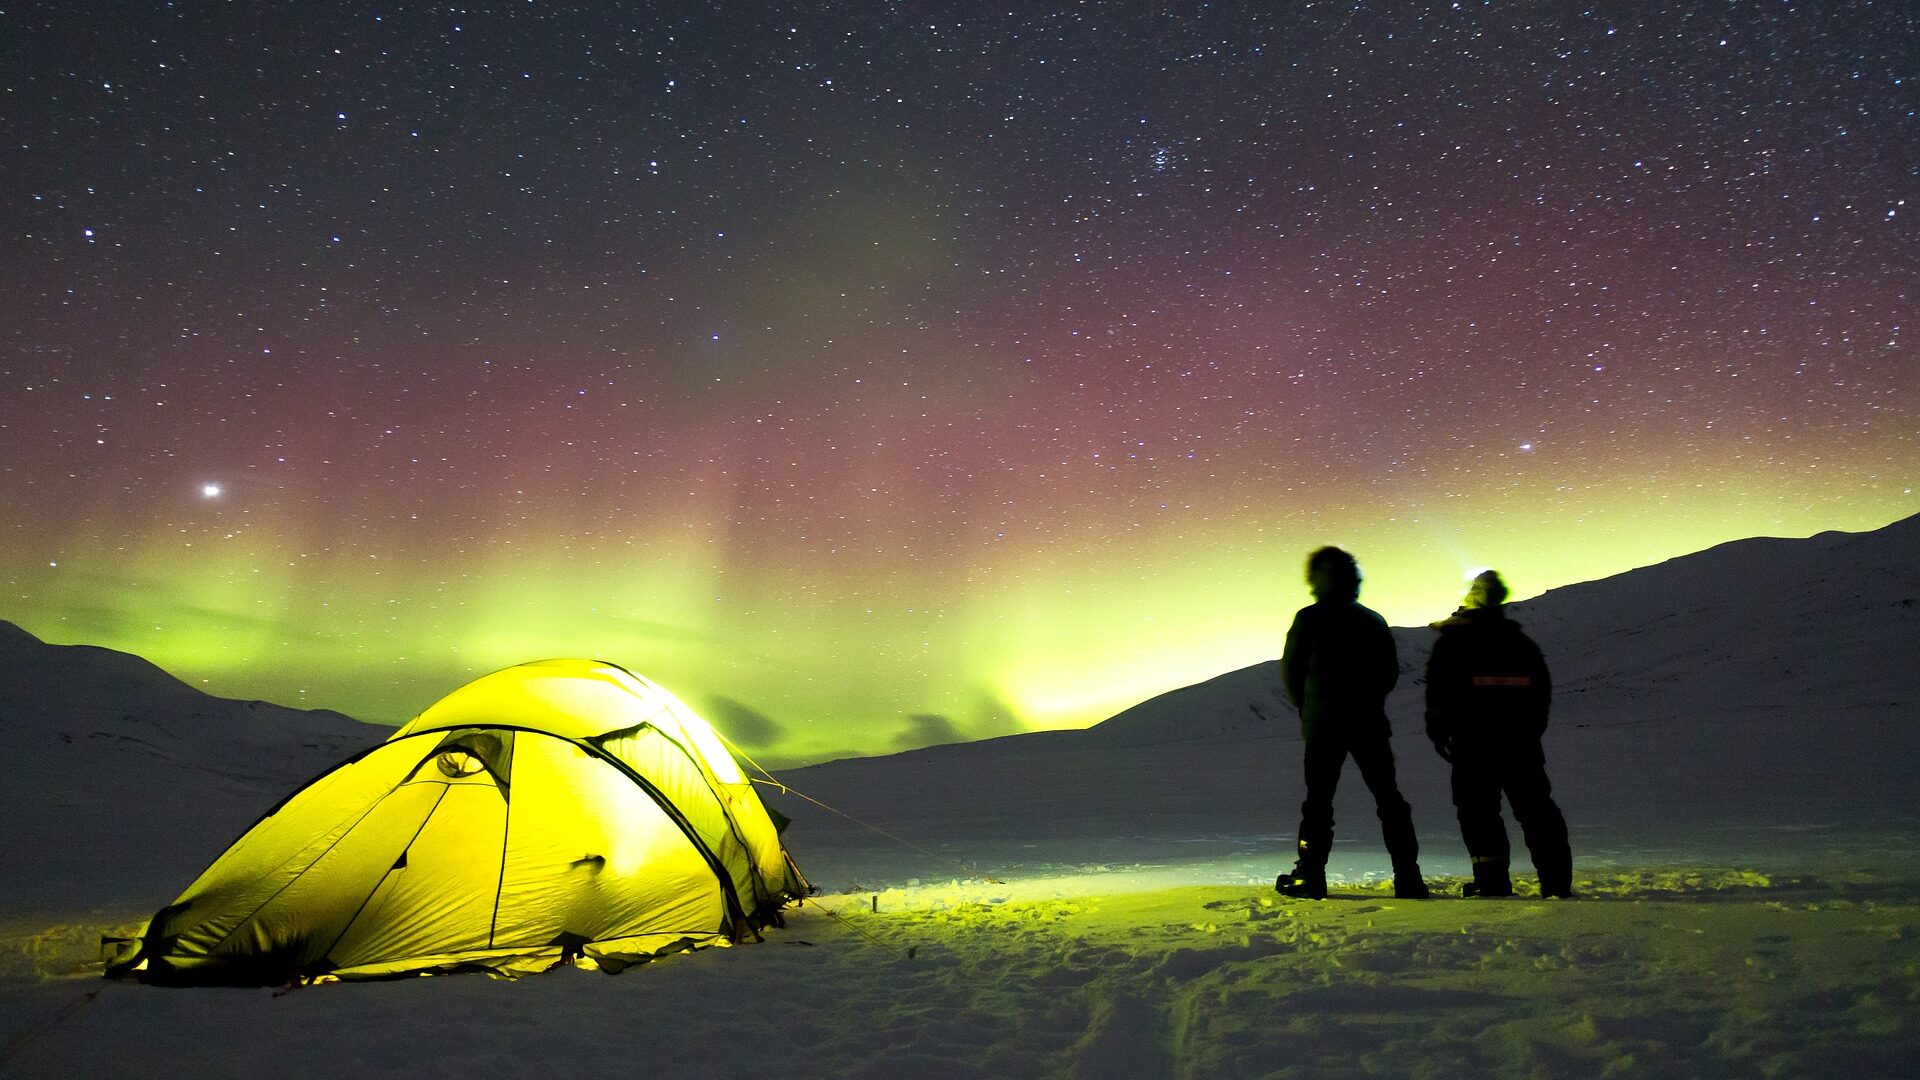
(111, 762)
(1831, 621)
(90, 696)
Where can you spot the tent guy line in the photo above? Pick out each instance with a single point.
(784, 789)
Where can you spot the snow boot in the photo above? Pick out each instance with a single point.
(1556, 871)
(1557, 886)
(1409, 885)
(1489, 880)
(1303, 881)
(1308, 878)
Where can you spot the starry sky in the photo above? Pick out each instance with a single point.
(877, 374)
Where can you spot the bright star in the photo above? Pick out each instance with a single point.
(210, 491)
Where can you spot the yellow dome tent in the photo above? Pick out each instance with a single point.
(559, 810)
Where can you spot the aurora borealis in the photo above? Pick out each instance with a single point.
(876, 374)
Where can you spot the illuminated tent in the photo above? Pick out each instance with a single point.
(560, 810)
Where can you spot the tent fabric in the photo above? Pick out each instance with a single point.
(564, 810)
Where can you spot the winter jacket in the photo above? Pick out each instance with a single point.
(1338, 666)
(1486, 681)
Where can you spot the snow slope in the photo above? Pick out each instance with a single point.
(1734, 742)
(115, 770)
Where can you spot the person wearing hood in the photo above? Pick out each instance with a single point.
(1337, 668)
(1488, 691)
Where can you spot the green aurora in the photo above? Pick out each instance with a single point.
(874, 380)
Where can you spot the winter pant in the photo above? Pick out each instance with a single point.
(1480, 776)
(1326, 756)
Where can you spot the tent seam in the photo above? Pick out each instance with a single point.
(726, 807)
(295, 879)
(725, 879)
(367, 899)
(500, 879)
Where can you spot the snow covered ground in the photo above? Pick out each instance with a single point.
(1680, 973)
(1735, 740)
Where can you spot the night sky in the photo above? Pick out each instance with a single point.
(879, 374)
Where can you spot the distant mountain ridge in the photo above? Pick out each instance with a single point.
(112, 767)
(1830, 621)
(102, 700)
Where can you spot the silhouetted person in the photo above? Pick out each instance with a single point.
(1487, 698)
(1338, 666)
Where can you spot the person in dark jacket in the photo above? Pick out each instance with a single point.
(1338, 666)
(1487, 696)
